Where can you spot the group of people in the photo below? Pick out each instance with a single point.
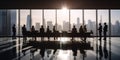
(82, 29)
(103, 29)
(42, 31)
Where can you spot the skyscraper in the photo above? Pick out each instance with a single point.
(65, 26)
(37, 27)
(49, 23)
(78, 24)
(28, 26)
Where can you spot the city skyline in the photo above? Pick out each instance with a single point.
(49, 15)
(61, 25)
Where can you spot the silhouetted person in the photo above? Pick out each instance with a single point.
(81, 30)
(105, 30)
(42, 32)
(14, 31)
(91, 31)
(24, 31)
(85, 30)
(100, 31)
(54, 32)
(33, 29)
(33, 32)
(48, 32)
(74, 31)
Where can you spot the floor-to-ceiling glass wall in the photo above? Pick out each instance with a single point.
(63, 20)
(103, 17)
(76, 18)
(90, 20)
(115, 22)
(50, 18)
(25, 19)
(37, 18)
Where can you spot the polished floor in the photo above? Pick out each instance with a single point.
(14, 49)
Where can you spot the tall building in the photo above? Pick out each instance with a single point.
(59, 27)
(28, 26)
(117, 26)
(49, 23)
(91, 26)
(78, 24)
(65, 26)
(37, 26)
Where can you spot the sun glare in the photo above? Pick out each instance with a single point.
(64, 8)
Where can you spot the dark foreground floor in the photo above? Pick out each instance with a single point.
(93, 49)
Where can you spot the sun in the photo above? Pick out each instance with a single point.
(65, 10)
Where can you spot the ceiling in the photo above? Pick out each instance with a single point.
(58, 4)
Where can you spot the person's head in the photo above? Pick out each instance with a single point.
(41, 26)
(81, 26)
(53, 26)
(73, 26)
(14, 25)
(32, 26)
(24, 25)
(99, 23)
(105, 23)
(84, 25)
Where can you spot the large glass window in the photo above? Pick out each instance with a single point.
(103, 17)
(37, 18)
(63, 20)
(76, 18)
(49, 18)
(115, 22)
(90, 20)
(25, 19)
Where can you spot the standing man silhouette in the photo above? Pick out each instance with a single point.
(105, 30)
(14, 30)
(54, 32)
(42, 32)
(33, 33)
(100, 31)
(24, 33)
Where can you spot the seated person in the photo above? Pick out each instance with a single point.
(85, 29)
(74, 31)
(81, 29)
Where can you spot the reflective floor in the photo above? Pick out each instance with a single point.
(14, 49)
